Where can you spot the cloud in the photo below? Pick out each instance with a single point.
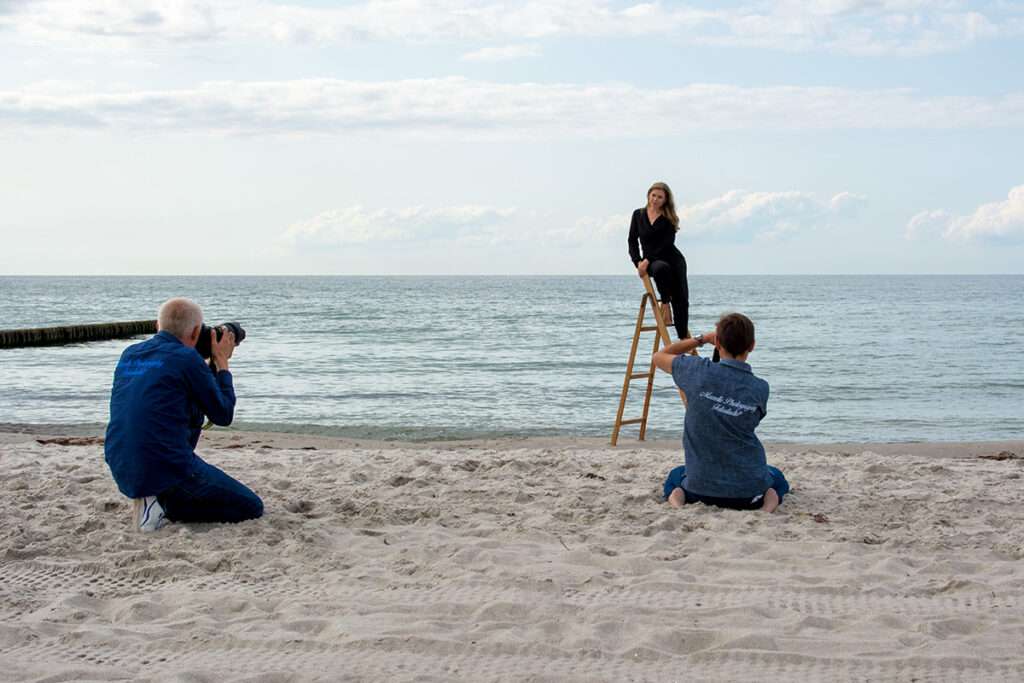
(735, 216)
(847, 204)
(869, 27)
(502, 54)
(742, 215)
(997, 221)
(465, 225)
(927, 223)
(588, 229)
(358, 225)
(90, 24)
(481, 109)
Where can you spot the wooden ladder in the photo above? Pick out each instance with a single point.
(661, 337)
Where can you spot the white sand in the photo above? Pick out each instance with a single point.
(531, 560)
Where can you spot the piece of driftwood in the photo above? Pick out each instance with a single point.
(72, 441)
(1002, 455)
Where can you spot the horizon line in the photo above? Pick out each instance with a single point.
(439, 275)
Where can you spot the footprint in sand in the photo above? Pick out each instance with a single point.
(299, 506)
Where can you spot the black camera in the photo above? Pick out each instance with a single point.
(203, 345)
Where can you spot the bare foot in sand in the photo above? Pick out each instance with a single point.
(771, 501)
(678, 498)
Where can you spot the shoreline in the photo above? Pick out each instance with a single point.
(218, 437)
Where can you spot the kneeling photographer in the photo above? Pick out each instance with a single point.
(162, 394)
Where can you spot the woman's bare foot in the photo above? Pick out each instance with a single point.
(666, 313)
(678, 498)
(771, 501)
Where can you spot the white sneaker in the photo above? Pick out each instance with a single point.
(147, 514)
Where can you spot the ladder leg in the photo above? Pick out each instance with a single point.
(650, 386)
(629, 371)
(658, 318)
(662, 328)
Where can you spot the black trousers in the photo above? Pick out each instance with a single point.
(670, 278)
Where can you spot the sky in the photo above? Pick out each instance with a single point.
(147, 137)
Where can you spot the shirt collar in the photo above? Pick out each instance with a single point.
(164, 334)
(738, 364)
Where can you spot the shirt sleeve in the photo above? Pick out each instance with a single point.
(634, 240)
(685, 370)
(215, 394)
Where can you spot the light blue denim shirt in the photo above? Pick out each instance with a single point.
(726, 402)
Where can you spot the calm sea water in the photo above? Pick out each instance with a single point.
(849, 358)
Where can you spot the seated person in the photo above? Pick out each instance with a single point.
(725, 461)
(162, 391)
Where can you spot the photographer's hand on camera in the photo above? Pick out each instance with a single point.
(222, 349)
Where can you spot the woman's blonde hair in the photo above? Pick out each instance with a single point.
(670, 204)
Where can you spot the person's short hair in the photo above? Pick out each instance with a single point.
(179, 316)
(735, 333)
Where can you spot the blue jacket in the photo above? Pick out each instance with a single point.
(162, 391)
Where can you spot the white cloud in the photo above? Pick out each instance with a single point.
(466, 225)
(846, 203)
(927, 223)
(738, 214)
(490, 110)
(855, 27)
(870, 27)
(98, 21)
(355, 225)
(997, 221)
(502, 54)
(590, 229)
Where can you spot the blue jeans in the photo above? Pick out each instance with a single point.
(677, 476)
(209, 495)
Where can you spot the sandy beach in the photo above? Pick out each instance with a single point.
(545, 560)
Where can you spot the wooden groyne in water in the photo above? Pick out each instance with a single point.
(73, 334)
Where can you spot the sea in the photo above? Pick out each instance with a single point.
(857, 358)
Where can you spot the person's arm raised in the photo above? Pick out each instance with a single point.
(221, 350)
(215, 393)
(663, 358)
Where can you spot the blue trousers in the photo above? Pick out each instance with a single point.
(677, 476)
(210, 495)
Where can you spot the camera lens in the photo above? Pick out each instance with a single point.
(203, 345)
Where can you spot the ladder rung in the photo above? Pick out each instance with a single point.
(648, 328)
(632, 422)
(638, 375)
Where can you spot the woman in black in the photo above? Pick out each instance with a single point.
(654, 229)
